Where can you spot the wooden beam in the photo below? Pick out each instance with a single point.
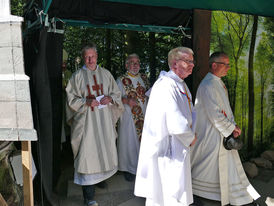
(201, 46)
(3, 201)
(27, 173)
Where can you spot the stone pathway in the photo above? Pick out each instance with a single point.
(119, 192)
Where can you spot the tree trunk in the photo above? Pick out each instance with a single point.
(251, 86)
(108, 53)
(262, 110)
(201, 47)
(244, 128)
(152, 62)
(243, 111)
(132, 41)
(234, 88)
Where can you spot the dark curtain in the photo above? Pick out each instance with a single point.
(101, 12)
(43, 59)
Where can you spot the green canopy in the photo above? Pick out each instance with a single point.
(168, 16)
(146, 15)
(256, 7)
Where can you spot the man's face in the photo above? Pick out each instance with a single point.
(90, 59)
(184, 65)
(133, 65)
(221, 66)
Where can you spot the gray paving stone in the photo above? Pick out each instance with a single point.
(120, 192)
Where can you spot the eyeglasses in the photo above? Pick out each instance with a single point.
(134, 63)
(226, 65)
(188, 61)
(90, 57)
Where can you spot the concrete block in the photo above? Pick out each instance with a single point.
(6, 65)
(24, 115)
(8, 134)
(5, 32)
(16, 34)
(18, 60)
(8, 115)
(7, 91)
(27, 135)
(22, 91)
(11, 34)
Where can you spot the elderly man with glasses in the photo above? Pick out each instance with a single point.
(163, 173)
(133, 86)
(217, 173)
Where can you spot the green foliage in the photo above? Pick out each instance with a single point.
(76, 37)
(230, 33)
(269, 28)
(17, 7)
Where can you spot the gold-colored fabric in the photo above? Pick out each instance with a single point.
(138, 94)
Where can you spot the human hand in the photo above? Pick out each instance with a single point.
(91, 102)
(106, 100)
(237, 131)
(132, 102)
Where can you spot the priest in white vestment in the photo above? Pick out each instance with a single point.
(163, 173)
(133, 86)
(93, 108)
(217, 173)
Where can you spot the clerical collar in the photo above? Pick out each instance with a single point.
(132, 75)
(85, 68)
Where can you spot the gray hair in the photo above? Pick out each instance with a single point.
(87, 47)
(176, 53)
(215, 57)
(131, 56)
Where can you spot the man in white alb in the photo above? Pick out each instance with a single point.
(133, 86)
(163, 173)
(93, 107)
(217, 173)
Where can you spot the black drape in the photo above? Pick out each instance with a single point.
(101, 12)
(43, 59)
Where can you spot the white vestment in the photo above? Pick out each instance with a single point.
(217, 173)
(128, 140)
(93, 131)
(163, 172)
